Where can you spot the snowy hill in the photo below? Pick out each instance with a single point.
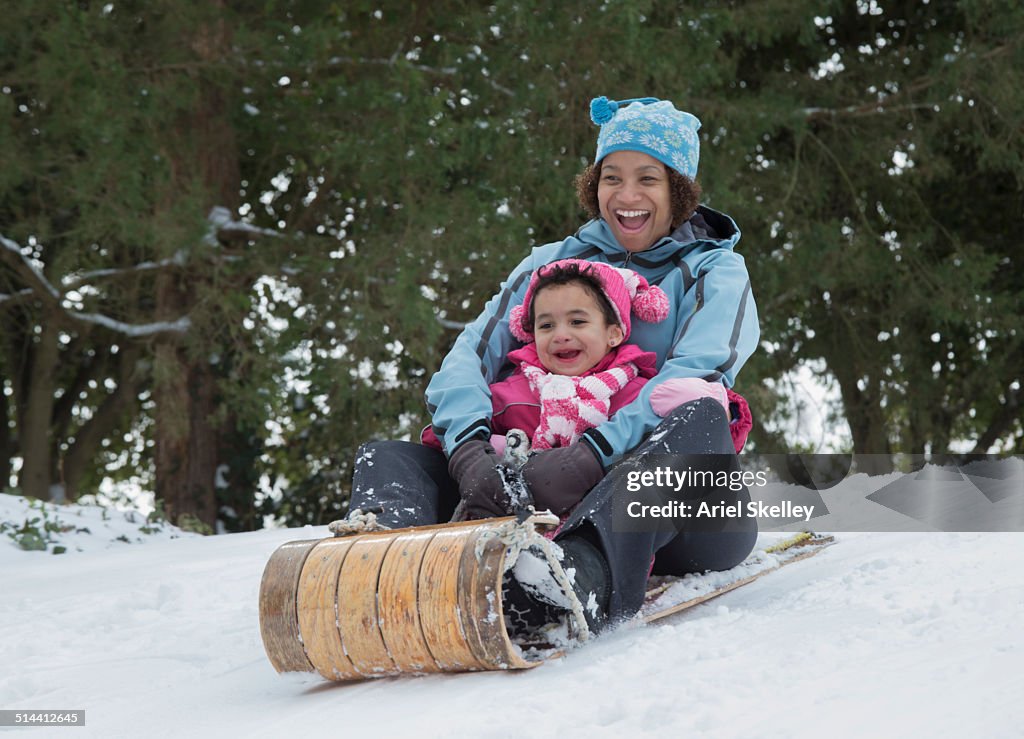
(883, 634)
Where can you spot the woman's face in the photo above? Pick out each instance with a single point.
(634, 198)
(570, 329)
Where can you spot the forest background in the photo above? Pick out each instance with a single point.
(236, 239)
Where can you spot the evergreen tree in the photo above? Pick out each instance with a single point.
(238, 239)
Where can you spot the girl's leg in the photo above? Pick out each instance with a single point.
(408, 482)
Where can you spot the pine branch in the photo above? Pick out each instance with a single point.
(445, 71)
(886, 106)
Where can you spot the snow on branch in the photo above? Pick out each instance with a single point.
(135, 330)
(390, 63)
(452, 325)
(874, 108)
(73, 282)
(21, 294)
(41, 287)
(27, 269)
(225, 228)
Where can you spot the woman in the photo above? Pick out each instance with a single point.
(643, 200)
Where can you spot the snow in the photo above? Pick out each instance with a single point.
(884, 633)
(534, 573)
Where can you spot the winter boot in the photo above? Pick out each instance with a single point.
(533, 598)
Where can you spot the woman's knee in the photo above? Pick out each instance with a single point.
(704, 551)
(698, 427)
(383, 447)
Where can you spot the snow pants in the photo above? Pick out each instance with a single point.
(410, 484)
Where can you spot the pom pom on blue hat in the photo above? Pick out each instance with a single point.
(654, 127)
(602, 109)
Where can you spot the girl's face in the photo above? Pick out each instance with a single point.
(634, 198)
(570, 329)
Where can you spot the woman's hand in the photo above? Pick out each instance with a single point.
(559, 478)
(474, 467)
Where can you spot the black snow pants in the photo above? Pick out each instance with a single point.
(410, 484)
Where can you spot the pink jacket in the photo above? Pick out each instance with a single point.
(515, 404)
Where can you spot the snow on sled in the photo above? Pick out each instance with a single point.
(428, 599)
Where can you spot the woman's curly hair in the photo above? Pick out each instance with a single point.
(684, 193)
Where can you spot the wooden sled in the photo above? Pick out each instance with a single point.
(415, 600)
(428, 599)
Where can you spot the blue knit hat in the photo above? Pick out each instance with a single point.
(650, 126)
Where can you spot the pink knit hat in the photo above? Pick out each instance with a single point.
(627, 292)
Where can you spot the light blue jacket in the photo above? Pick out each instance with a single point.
(710, 332)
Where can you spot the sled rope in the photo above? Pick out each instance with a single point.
(357, 522)
(520, 535)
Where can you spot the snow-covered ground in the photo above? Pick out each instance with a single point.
(155, 633)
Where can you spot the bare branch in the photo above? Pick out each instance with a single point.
(1004, 421)
(73, 282)
(390, 63)
(882, 107)
(134, 330)
(453, 325)
(15, 297)
(44, 289)
(854, 111)
(224, 228)
(27, 270)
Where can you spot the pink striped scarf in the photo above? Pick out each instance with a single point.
(571, 405)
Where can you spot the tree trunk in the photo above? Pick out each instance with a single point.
(1002, 423)
(203, 147)
(863, 408)
(34, 439)
(185, 439)
(102, 424)
(6, 439)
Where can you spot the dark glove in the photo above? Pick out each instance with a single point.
(474, 467)
(559, 478)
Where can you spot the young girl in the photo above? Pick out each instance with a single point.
(574, 372)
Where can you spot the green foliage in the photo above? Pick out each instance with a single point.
(882, 201)
(39, 533)
(190, 523)
(409, 156)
